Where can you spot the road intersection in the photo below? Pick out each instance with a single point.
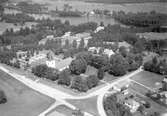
(61, 96)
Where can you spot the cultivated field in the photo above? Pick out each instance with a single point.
(22, 101)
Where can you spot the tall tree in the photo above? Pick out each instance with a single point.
(82, 44)
(67, 44)
(100, 73)
(74, 44)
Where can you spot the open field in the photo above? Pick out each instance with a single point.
(22, 101)
(89, 105)
(148, 79)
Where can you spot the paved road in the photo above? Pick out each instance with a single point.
(61, 96)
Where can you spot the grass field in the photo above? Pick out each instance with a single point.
(89, 105)
(22, 101)
(148, 79)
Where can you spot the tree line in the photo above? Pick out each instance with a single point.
(140, 19)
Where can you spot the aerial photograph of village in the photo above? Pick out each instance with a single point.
(83, 57)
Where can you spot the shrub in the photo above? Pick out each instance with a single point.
(92, 81)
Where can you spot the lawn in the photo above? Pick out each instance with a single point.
(91, 71)
(148, 79)
(109, 78)
(89, 105)
(22, 101)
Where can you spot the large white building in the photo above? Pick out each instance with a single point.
(107, 52)
(76, 37)
(59, 64)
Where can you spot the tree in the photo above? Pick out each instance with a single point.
(43, 71)
(99, 61)
(134, 61)
(52, 74)
(92, 81)
(80, 84)
(64, 78)
(78, 66)
(164, 86)
(102, 23)
(156, 65)
(101, 51)
(16, 64)
(139, 46)
(100, 73)
(141, 109)
(123, 51)
(77, 112)
(40, 70)
(74, 44)
(87, 56)
(114, 108)
(67, 44)
(119, 65)
(2, 6)
(154, 114)
(82, 44)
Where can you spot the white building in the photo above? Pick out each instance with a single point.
(108, 52)
(49, 37)
(99, 29)
(132, 104)
(59, 64)
(76, 37)
(94, 49)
